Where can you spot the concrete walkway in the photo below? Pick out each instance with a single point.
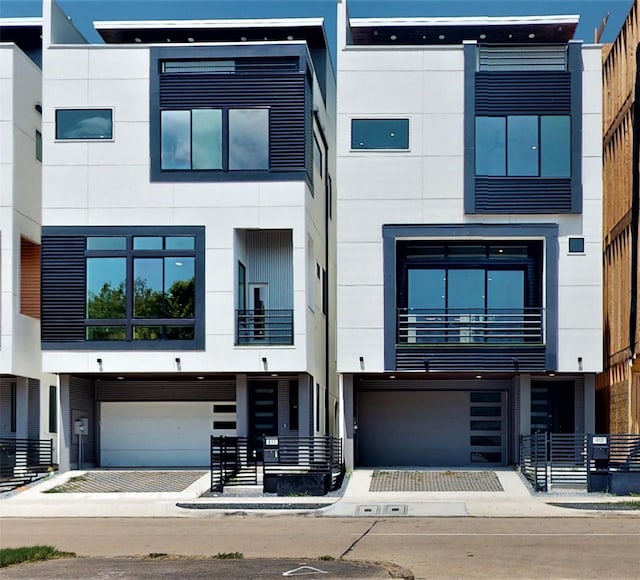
(515, 500)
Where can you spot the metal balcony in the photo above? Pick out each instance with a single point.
(481, 326)
(264, 327)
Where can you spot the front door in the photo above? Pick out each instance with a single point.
(552, 406)
(263, 413)
(259, 303)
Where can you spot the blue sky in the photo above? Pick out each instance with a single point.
(84, 12)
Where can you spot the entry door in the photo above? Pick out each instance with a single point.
(553, 406)
(259, 304)
(263, 413)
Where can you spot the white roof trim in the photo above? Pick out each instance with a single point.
(211, 24)
(467, 21)
(23, 21)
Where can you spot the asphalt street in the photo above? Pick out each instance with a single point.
(601, 547)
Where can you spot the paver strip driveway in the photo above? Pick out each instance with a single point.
(435, 481)
(129, 481)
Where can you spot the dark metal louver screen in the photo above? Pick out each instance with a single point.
(523, 93)
(63, 288)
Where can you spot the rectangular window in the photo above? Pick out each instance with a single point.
(523, 146)
(191, 139)
(140, 288)
(242, 286)
(84, 124)
(39, 146)
(214, 139)
(53, 409)
(325, 293)
(380, 134)
(248, 139)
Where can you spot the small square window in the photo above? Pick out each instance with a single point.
(84, 124)
(576, 245)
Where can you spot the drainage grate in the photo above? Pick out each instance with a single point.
(435, 481)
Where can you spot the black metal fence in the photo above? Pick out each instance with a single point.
(292, 455)
(233, 462)
(558, 460)
(264, 326)
(23, 461)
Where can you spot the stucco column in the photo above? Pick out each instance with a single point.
(64, 424)
(242, 406)
(525, 404)
(347, 431)
(589, 403)
(305, 429)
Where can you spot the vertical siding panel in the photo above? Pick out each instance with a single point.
(270, 261)
(5, 407)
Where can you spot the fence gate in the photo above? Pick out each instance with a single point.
(567, 460)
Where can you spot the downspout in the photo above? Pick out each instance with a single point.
(635, 221)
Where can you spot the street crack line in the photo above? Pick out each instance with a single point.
(355, 542)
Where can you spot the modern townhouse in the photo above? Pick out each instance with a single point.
(469, 236)
(188, 236)
(618, 388)
(28, 398)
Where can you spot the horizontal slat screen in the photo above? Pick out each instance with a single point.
(63, 288)
(522, 195)
(523, 93)
(522, 58)
(205, 390)
(516, 359)
(29, 278)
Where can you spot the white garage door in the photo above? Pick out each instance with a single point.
(431, 428)
(167, 434)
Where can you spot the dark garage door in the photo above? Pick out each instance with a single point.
(431, 428)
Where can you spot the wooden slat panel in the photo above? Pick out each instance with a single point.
(29, 278)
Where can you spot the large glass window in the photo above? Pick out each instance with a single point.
(380, 134)
(140, 288)
(191, 139)
(194, 139)
(461, 292)
(248, 139)
(84, 124)
(523, 146)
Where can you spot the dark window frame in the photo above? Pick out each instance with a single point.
(224, 140)
(297, 63)
(539, 148)
(130, 321)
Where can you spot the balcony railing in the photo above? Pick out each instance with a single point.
(264, 327)
(481, 326)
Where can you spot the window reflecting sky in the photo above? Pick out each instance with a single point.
(248, 139)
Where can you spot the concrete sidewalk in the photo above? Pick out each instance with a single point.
(515, 500)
